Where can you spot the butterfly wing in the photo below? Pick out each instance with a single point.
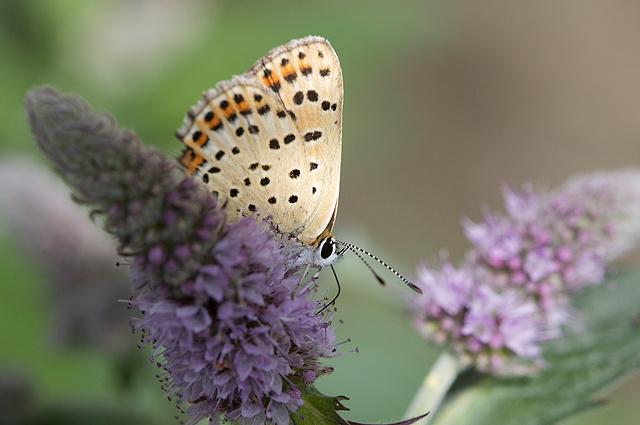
(269, 141)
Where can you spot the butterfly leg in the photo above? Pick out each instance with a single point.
(333, 301)
(304, 274)
(317, 273)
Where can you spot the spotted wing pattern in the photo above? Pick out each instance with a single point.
(269, 141)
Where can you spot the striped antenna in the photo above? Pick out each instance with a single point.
(356, 249)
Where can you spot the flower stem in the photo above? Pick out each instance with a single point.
(434, 387)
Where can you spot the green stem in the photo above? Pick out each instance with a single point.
(434, 387)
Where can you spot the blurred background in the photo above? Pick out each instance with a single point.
(444, 101)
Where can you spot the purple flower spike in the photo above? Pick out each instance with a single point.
(498, 240)
(232, 326)
(513, 291)
(247, 353)
(499, 331)
(504, 320)
(448, 289)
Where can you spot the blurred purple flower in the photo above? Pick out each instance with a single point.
(222, 305)
(513, 290)
(496, 238)
(539, 263)
(504, 320)
(497, 331)
(569, 234)
(449, 289)
(522, 206)
(76, 258)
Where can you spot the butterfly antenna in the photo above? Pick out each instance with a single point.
(376, 275)
(333, 301)
(406, 281)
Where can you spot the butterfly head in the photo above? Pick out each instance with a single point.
(327, 252)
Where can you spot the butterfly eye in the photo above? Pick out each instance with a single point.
(328, 248)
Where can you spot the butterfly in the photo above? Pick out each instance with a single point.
(269, 142)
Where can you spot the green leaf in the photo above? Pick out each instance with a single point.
(319, 409)
(579, 366)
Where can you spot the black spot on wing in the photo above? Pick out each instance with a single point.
(290, 78)
(312, 95)
(312, 135)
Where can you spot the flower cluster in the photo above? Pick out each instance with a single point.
(240, 339)
(562, 239)
(492, 329)
(513, 290)
(222, 304)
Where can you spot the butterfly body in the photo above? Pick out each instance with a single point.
(268, 142)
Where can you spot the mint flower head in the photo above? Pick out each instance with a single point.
(563, 239)
(222, 304)
(496, 331)
(513, 290)
(153, 211)
(243, 341)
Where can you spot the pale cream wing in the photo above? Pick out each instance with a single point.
(307, 78)
(269, 141)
